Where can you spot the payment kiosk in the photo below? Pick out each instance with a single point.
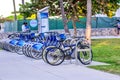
(43, 23)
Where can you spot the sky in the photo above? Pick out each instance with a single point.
(6, 7)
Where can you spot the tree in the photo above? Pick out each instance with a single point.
(73, 9)
(108, 7)
(23, 2)
(25, 11)
(15, 16)
(32, 7)
(39, 4)
(64, 17)
(88, 22)
(99, 6)
(11, 17)
(3, 19)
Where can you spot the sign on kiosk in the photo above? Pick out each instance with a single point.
(44, 15)
(43, 24)
(33, 23)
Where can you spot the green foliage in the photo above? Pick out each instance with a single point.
(72, 7)
(25, 10)
(11, 17)
(107, 50)
(2, 19)
(28, 9)
(105, 7)
(19, 17)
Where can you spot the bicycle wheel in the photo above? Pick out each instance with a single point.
(1, 44)
(54, 56)
(24, 49)
(85, 57)
(36, 54)
(28, 50)
(11, 48)
(45, 48)
(43, 54)
(18, 50)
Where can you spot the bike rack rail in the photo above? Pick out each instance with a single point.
(77, 49)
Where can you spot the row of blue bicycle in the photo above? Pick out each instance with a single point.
(52, 47)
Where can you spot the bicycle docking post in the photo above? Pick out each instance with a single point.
(80, 50)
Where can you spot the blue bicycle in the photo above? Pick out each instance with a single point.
(56, 55)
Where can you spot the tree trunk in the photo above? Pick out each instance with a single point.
(23, 2)
(64, 17)
(15, 16)
(74, 17)
(74, 26)
(88, 22)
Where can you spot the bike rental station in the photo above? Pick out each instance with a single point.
(51, 47)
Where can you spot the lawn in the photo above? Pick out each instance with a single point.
(108, 51)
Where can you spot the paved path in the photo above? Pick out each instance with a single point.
(104, 37)
(17, 67)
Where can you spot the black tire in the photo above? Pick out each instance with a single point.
(52, 58)
(85, 57)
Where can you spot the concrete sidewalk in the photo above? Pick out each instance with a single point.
(20, 67)
(104, 37)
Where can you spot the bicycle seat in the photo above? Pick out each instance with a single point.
(37, 46)
(61, 37)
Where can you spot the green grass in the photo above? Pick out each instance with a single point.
(108, 51)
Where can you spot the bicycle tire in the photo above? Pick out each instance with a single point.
(85, 57)
(57, 58)
(18, 50)
(36, 54)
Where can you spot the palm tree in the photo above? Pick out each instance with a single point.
(23, 2)
(64, 17)
(15, 16)
(88, 22)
